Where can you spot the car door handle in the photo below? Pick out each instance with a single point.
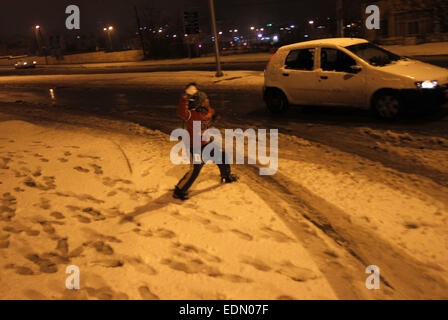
(286, 74)
(324, 77)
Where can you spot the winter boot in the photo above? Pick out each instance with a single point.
(229, 178)
(179, 194)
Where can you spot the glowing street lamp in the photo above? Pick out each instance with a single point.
(108, 30)
(311, 22)
(38, 35)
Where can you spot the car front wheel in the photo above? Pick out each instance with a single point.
(387, 105)
(276, 101)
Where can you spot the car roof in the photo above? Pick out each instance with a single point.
(342, 42)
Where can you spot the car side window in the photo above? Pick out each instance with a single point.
(335, 60)
(300, 60)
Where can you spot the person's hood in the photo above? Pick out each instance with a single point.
(417, 70)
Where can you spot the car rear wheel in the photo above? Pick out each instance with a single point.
(387, 105)
(276, 101)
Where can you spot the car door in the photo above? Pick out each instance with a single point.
(299, 79)
(339, 83)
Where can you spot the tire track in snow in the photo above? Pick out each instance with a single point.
(405, 277)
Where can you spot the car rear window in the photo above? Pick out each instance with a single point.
(300, 59)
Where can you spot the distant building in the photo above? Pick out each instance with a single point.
(410, 21)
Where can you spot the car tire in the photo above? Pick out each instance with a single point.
(387, 105)
(276, 101)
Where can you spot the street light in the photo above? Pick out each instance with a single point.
(108, 30)
(36, 34)
(39, 40)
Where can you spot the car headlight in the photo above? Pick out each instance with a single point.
(428, 84)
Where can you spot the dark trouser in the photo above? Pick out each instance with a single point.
(190, 177)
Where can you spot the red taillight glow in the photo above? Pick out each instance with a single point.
(272, 58)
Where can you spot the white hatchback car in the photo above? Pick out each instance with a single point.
(351, 72)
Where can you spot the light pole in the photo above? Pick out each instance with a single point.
(340, 18)
(37, 36)
(40, 42)
(139, 28)
(215, 33)
(108, 31)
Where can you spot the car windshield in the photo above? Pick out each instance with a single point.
(373, 54)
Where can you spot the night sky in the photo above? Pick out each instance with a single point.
(19, 16)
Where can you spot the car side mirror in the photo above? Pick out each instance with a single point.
(355, 69)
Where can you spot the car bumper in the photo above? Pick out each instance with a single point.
(417, 99)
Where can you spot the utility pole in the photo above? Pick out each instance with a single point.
(340, 18)
(215, 33)
(110, 40)
(38, 39)
(140, 31)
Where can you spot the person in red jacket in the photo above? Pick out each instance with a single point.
(194, 105)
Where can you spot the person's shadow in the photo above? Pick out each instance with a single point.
(161, 202)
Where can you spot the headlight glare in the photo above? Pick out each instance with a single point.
(428, 84)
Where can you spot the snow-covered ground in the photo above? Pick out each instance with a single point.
(408, 211)
(102, 202)
(425, 49)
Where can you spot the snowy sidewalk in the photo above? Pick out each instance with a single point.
(102, 202)
(237, 80)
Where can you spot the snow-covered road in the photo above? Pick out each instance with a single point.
(350, 192)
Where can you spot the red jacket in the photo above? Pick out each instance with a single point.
(192, 115)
